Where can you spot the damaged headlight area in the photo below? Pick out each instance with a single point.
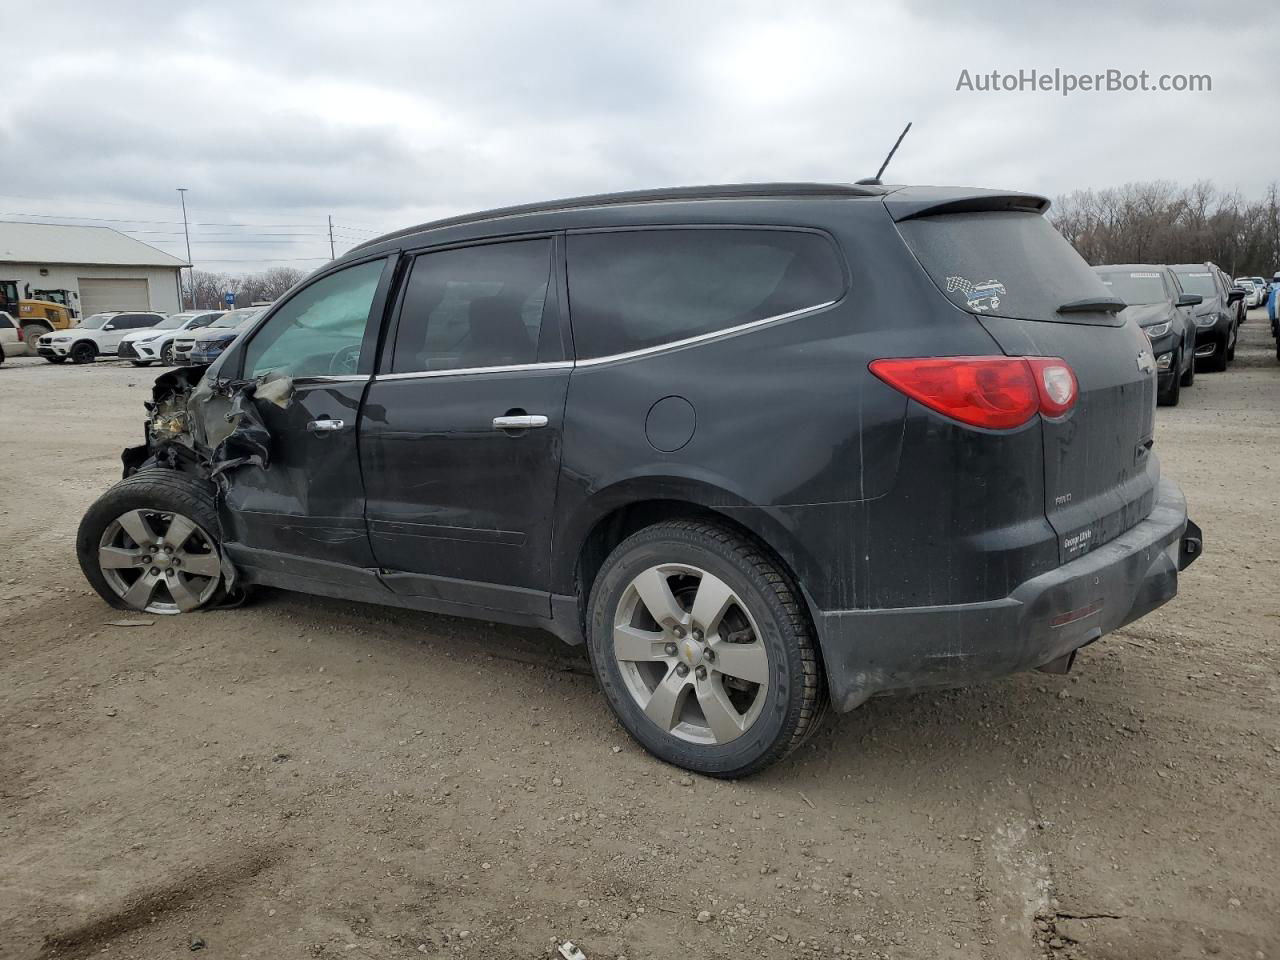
(207, 426)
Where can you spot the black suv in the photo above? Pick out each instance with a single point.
(1156, 304)
(759, 446)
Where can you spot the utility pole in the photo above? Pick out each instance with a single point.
(332, 254)
(191, 274)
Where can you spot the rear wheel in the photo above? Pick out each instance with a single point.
(703, 649)
(84, 352)
(151, 543)
(31, 332)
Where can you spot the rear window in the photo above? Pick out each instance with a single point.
(1004, 263)
(629, 290)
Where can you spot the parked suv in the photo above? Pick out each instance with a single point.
(751, 444)
(145, 347)
(1164, 315)
(1216, 322)
(94, 336)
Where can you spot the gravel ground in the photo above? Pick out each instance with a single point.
(310, 778)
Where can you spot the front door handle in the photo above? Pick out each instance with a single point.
(326, 426)
(525, 422)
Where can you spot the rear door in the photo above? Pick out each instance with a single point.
(1014, 272)
(114, 330)
(461, 437)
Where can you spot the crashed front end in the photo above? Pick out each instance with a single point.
(208, 428)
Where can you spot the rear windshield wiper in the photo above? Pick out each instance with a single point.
(1093, 305)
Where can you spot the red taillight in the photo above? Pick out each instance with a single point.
(993, 392)
(21, 338)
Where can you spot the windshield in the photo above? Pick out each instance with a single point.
(1200, 282)
(95, 321)
(173, 321)
(234, 318)
(1135, 286)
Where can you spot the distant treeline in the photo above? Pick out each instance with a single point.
(211, 288)
(1162, 222)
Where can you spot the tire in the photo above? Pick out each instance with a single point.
(1171, 394)
(1232, 339)
(142, 363)
(756, 721)
(166, 355)
(56, 359)
(1189, 375)
(143, 577)
(1218, 362)
(31, 332)
(84, 352)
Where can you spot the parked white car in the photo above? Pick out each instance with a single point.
(95, 336)
(10, 337)
(1253, 296)
(144, 347)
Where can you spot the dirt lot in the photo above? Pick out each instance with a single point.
(309, 778)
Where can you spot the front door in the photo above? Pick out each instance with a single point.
(303, 516)
(460, 438)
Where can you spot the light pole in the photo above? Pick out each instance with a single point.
(191, 277)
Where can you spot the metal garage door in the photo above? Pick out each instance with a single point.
(98, 295)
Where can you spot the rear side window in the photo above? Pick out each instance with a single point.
(476, 307)
(135, 321)
(1004, 263)
(642, 288)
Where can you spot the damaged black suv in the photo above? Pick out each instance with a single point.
(760, 447)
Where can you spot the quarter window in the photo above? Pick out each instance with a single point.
(319, 331)
(476, 307)
(634, 289)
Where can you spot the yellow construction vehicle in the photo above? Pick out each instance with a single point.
(34, 318)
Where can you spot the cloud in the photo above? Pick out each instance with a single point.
(388, 113)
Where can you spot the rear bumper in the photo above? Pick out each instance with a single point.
(868, 652)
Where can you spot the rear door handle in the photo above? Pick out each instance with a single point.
(326, 426)
(526, 422)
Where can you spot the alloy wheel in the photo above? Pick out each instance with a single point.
(159, 562)
(690, 654)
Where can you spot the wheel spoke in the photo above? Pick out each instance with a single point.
(667, 700)
(710, 602)
(119, 558)
(655, 594)
(630, 643)
(181, 593)
(180, 529)
(138, 527)
(201, 564)
(747, 661)
(725, 722)
(139, 595)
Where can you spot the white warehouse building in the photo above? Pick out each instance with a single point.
(102, 267)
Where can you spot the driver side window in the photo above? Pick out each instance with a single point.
(320, 330)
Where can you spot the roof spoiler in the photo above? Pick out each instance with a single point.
(909, 202)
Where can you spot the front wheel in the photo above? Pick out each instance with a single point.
(84, 352)
(1189, 375)
(166, 355)
(703, 649)
(1171, 393)
(151, 543)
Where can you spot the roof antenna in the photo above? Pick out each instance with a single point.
(875, 181)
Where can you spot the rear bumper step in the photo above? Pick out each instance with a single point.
(1040, 624)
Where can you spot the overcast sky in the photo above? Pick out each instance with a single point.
(276, 115)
